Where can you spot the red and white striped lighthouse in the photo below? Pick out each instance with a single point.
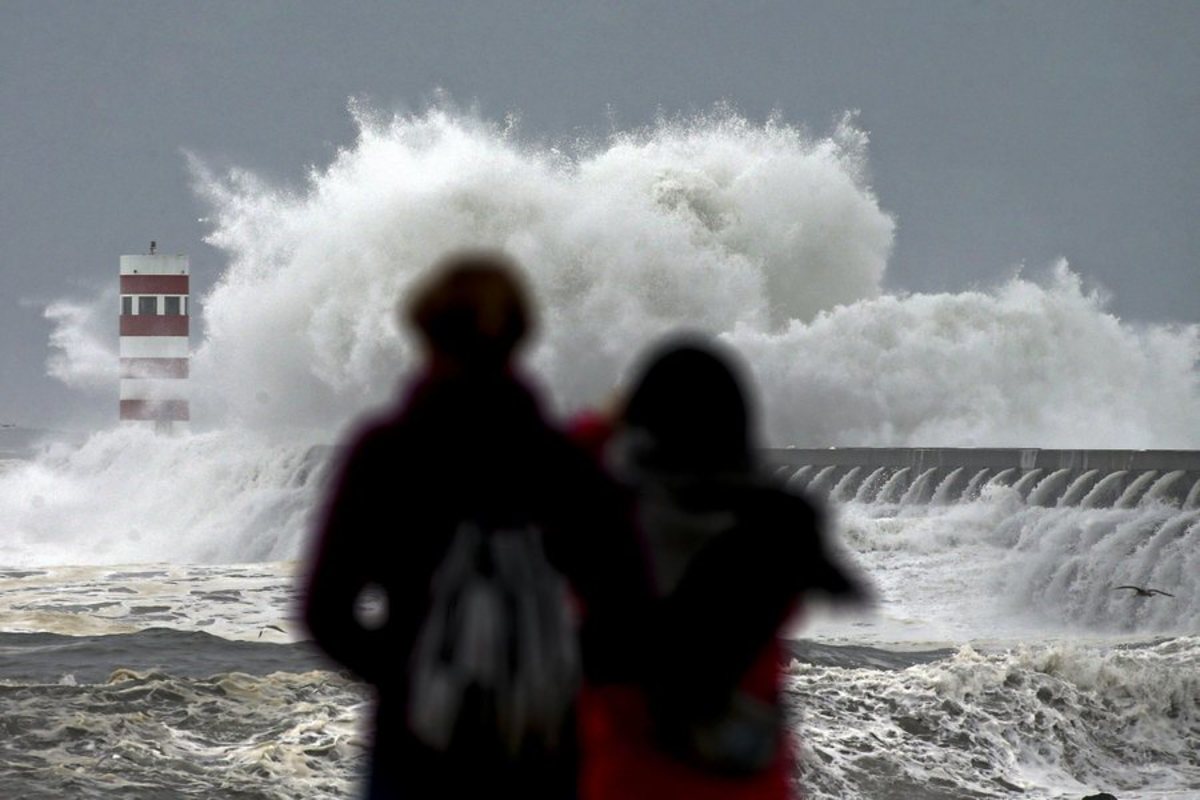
(154, 340)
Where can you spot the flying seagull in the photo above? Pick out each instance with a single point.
(1145, 592)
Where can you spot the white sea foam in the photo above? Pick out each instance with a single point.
(127, 495)
(1053, 719)
(760, 233)
(287, 734)
(709, 223)
(249, 602)
(998, 571)
(1046, 721)
(757, 232)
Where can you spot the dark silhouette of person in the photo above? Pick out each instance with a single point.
(465, 441)
(731, 555)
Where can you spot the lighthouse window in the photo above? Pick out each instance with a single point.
(172, 306)
(126, 305)
(147, 305)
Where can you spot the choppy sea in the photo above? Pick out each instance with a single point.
(147, 647)
(999, 663)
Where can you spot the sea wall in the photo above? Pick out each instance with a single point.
(1089, 478)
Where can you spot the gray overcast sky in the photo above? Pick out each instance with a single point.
(1001, 132)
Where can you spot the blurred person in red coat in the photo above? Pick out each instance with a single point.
(731, 554)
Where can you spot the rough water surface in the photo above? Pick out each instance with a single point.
(147, 642)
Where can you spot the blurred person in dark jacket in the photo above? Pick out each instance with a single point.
(466, 441)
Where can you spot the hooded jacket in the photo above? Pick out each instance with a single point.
(732, 554)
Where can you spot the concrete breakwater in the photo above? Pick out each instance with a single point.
(1043, 477)
(933, 475)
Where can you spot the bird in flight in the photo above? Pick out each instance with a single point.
(1145, 592)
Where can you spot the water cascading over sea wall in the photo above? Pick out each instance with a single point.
(944, 475)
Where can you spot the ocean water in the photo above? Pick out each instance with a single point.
(147, 641)
(168, 681)
(1002, 660)
(999, 662)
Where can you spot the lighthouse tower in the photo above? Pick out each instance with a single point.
(154, 340)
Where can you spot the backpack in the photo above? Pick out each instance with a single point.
(496, 665)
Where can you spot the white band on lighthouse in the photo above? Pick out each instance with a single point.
(154, 340)
(154, 347)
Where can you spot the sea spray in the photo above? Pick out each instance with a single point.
(759, 233)
(1021, 365)
(709, 223)
(756, 232)
(127, 495)
(996, 568)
